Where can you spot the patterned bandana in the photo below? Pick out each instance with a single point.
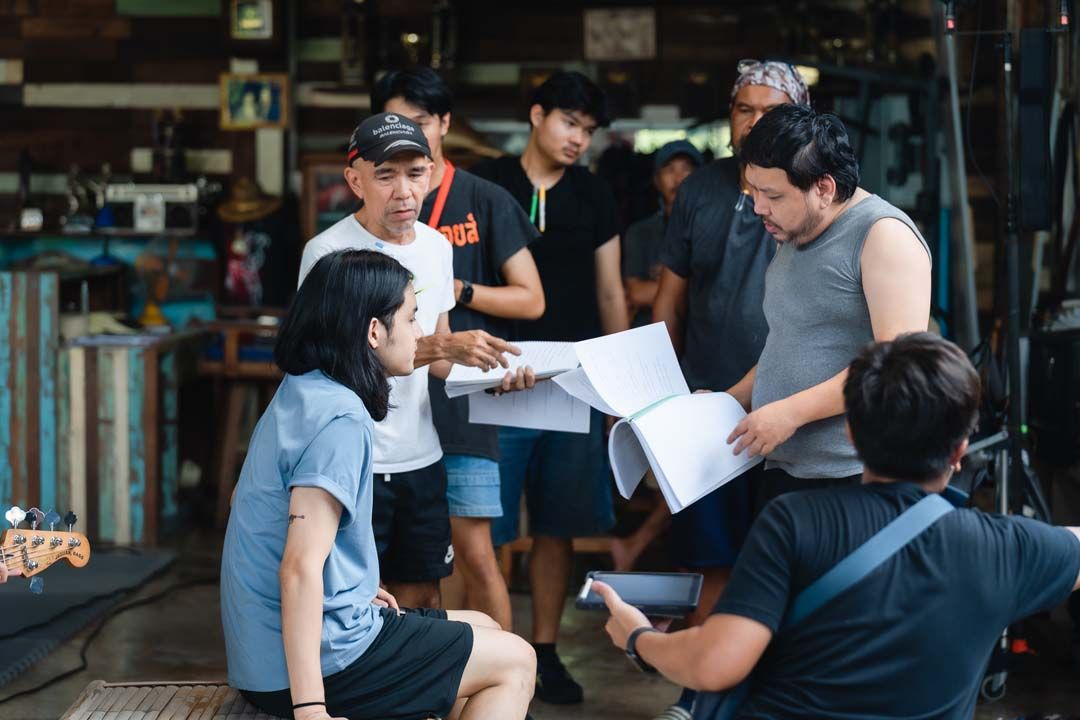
(777, 75)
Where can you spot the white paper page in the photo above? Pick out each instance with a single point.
(670, 497)
(628, 460)
(545, 358)
(545, 407)
(686, 439)
(576, 382)
(633, 369)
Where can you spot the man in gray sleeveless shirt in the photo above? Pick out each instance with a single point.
(849, 269)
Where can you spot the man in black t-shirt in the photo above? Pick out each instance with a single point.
(565, 475)
(911, 638)
(495, 282)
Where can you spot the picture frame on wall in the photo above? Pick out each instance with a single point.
(251, 19)
(615, 34)
(254, 101)
(325, 197)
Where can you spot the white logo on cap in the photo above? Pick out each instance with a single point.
(401, 142)
(391, 119)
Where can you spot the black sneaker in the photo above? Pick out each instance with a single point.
(554, 684)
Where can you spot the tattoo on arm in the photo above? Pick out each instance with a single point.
(295, 517)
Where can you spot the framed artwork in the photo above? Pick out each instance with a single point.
(325, 197)
(620, 34)
(251, 19)
(254, 101)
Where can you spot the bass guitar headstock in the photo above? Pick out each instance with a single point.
(32, 550)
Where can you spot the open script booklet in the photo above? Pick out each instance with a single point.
(633, 375)
(681, 436)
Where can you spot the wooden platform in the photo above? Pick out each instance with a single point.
(213, 700)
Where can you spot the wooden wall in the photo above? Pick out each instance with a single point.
(118, 440)
(64, 65)
(89, 429)
(70, 65)
(29, 343)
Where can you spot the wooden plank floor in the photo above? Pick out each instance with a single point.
(213, 700)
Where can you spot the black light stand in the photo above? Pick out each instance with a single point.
(1008, 445)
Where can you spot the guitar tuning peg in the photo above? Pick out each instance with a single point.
(15, 516)
(37, 585)
(36, 518)
(70, 519)
(52, 518)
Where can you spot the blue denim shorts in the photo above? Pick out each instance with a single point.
(565, 478)
(472, 486)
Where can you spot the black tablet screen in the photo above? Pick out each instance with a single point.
(650, 589)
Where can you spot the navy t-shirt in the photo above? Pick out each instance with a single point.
(912, 639)
(486, 227)
(716, 242)
(580, 217)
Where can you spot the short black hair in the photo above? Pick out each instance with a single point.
(419, 86)
(805, 144)
(572, 92)
(910, 403)
(327, 324)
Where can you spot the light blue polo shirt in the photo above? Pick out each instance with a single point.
(315, 433)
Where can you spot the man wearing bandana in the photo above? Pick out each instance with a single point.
(711, 291)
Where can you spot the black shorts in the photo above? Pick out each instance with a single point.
(412, 671)
(411, 520)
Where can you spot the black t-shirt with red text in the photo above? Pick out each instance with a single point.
(486, 227)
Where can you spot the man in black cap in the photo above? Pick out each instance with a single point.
(389, 167)
(497, 283)
(644, 240)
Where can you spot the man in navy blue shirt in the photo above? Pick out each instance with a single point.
(911, 639)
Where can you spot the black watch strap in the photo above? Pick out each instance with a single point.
(631, 649)
(466, 292)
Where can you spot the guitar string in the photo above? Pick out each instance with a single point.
(34, 555)
(31, 556)
(40, 549)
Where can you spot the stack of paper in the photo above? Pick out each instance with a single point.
(682, 437)
(544, 407)
(546, 359)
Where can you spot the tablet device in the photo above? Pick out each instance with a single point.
(655, 594)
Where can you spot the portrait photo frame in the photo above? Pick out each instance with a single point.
(250, 101)
(251, 20)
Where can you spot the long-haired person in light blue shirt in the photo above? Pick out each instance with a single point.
(309, 632)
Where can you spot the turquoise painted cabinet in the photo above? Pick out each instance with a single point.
(89, 428)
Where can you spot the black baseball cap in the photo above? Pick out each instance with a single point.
(384, 135)
(673, 149)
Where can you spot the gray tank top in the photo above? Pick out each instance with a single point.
(818, 322)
